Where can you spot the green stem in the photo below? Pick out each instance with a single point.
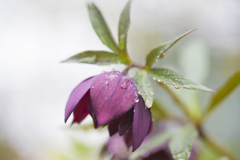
(177, 100)
(213, 143)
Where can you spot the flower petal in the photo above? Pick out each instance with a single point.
(81, 109)
(90, 110)
(112, 95)
(141, 123)
(114, 127)
(76, 95)
(126, 123)
(128, 139)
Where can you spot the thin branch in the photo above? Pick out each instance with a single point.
(216, 145)
(177, 100)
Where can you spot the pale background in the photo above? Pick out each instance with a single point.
(35, 35)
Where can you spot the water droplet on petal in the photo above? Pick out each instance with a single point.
(152, 120)
(134, 110)
(123, 85)
(92, 86)
(136, 100)
(154, 78)
(159, 80)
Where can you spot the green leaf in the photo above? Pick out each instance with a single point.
(158, 52)
(224, 91)
(178, 80)
(144, 87)
(181, 142)
(101, 27)
(94, 57)
(123, 27)
(153, 143)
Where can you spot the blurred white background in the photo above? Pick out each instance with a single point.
(36, 35)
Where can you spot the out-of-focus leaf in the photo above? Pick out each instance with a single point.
(181, 142)
(158, 111)
(159, 51)
(224, 91)
(178, 80)
(123, 26)
(94, 57)
(144, 87)
(101, 27)
(153, 143)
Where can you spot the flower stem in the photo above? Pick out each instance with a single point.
(203, 135)
(213, 143)
(177, 100)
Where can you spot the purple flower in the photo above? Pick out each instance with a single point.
(118, 149)
(111, 99)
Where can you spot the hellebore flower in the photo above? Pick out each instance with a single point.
(111, 99)
(117, 148)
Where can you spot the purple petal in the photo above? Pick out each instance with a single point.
(76, 95)
(112, 95)
(141, 123)
(126, 123)
(118, 148)
(114, 127)
(90, 110)
(128, 139)
(81, 110)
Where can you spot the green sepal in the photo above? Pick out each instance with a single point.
(159, 51)
(224, 91)
(181, 142)
(101, 27)
(170, 77)
(144, 87)
(123, 27)
(95, 57)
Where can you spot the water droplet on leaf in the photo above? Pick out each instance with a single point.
(176, 87)
(148, 103)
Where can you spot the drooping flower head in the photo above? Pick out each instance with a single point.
(111, 98)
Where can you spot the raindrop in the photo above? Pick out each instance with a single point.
(159, 80)
(106, 75)
(123, 85)
(134, 110)
(148, 103)
(135, 93)
(176, 87)
(139, 92)
(92, 86)
(151, 93)
(176, 79)
(154, 79)
(164, 83)
(152, 120)
(136, 100)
